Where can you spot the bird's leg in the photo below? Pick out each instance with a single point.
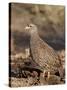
(46, 74)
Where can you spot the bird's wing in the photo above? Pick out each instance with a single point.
(49, 53)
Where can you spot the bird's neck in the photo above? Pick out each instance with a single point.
(34, 34)
(34, 37)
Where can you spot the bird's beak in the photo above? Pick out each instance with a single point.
(26, 28)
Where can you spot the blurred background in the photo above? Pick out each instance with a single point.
(50, 20)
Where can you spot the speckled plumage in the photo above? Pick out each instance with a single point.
(43, 54)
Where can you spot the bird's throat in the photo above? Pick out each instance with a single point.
(34, 34)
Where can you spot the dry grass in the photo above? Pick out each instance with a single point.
(24, 72)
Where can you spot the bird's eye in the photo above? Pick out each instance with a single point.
(30, 26)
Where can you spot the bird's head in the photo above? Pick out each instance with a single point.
(31, 28)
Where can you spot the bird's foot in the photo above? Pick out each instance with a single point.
(43, 77)
(46, 74)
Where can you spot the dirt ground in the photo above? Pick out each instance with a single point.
(25, 72)
(50, 21)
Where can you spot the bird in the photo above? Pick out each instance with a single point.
(42, 53)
